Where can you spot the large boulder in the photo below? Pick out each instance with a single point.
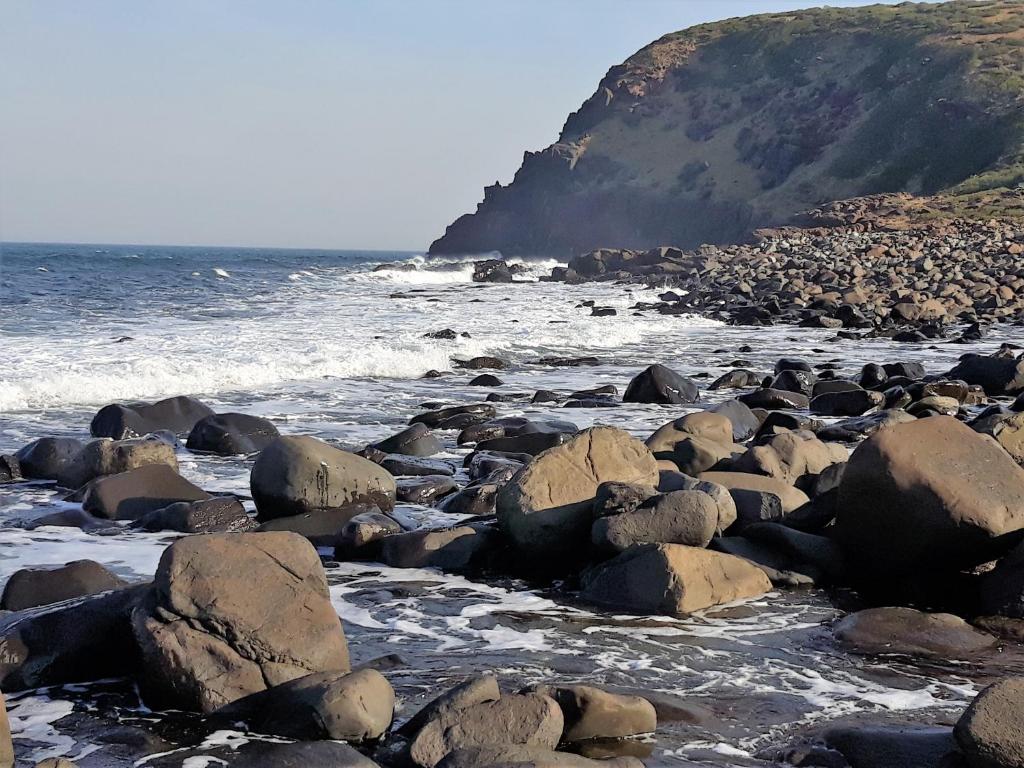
(32, 587)
(45, 458)
(996, 374)
(677, 517)
(345, 706)
(229, 434)
(527, 719)
(89, 639)
(791, 498)
(462, 548)
(711, 426)
(298, 475)
(672, 579)
(175, 414)
(658, 384)
(221, 514)
(888, 746)
(911, 633)
(232, 614)
(131, 495)
(789, 456)
(1008, 431)
(416, 440)
(519, 756)
(546, 507)
(931, 494)
(989, 732)
(1001, 590)
(110, 457)
(592, 713)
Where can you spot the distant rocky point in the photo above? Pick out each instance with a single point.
(712, 132)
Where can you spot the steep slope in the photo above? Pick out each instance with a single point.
(710, 132)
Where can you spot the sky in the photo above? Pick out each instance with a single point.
(350, 124)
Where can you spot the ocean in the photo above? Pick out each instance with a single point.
(333, 344)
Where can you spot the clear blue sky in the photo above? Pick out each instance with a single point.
(306, 123)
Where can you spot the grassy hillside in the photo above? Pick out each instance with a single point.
(712, 131)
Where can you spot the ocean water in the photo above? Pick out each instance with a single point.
(332, 344)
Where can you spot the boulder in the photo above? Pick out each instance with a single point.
(415, 440)
(658, 384)
(614, 498)
(996, 374)
(854, 402)
(789, 557)
(901, 746)
(1001, 590)
(931, 494)
(476, 690)
(528, 757)
(175, 414)
(906, 631)
(345, 706)
(434, 419)
(45, 458)
(775, 399)
(32, 587)
(425, 489)
(672, 579)
(229, 434)
(491, 271)
(450, 549)
(744, 421)
(989, 732)
(526, 719)
(300, 475)
(694, 455)
(546, 507)
(711, 426)
(789, 456)
(397, 465)
(678, 517)
(137, 492)
(1007, 429)
(361, 536)
(592, 713)
(324, 527)
(790, 497)
(231, 614)
(89, 639)
(221, 514)
(99, 458)
(299, 754)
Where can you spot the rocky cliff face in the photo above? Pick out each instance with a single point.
(711, 132)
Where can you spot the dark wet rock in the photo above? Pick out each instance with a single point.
(569, 362)
(1001, 626)
(791, 364)
(790, 380)
(72, 518)
(864, 426)
(854, 402)
(323, 527)
(755, 507)
(175, 414)
(130, 495)
(361, 536)
(547, 506)
(672, 579)
(89, 639)
(909, 632)
(900, 746)
(229, 434)
(10, 469)
(491, 271)
(32, 587)
(790, 497)
(592, 713)
(1001, 590)
(545, 396)
(486, 380)
(478, 500)
(453, 550)
(345, 706)
(102, 457)
(412, 441)
(998, 375)
(436, 417)
(301, 754)
(614, 498)
(529, 443)
(445, 334)
(774, 399)
(233, 614)
(825, 481)
(301, 475)
(45, 458)
(679, 517)
(481, 464)
(927, 508)
(6, 744)
(526, 719)
(989, 732)
(221, 514)
(735, 379)
(426, 489)
(825, 386)
(744, 421)
(415, 466)
(482, 362)
(528, 757)
(658, 384)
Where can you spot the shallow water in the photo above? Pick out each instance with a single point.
(322, 345)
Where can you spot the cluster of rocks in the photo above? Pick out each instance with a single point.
(911, 284)
(757, 493)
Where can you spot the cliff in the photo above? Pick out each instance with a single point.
(709, 133)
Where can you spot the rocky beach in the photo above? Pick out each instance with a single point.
(699, 444)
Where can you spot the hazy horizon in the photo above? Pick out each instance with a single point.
(356, 126)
